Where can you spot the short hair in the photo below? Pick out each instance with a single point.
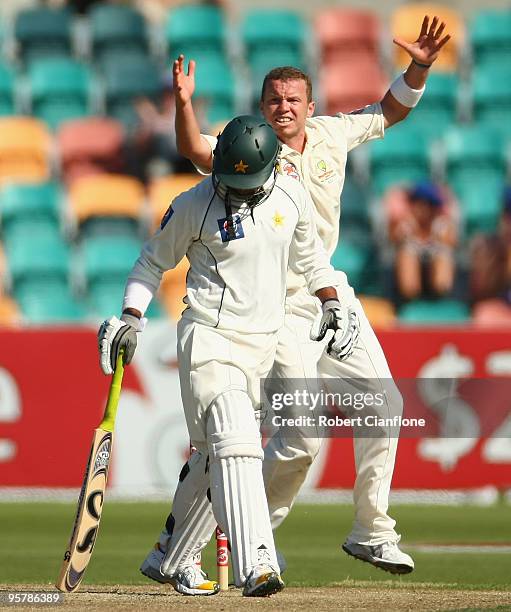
(287, 73)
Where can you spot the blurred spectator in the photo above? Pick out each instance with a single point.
(490, 255)
(152, 149)
(424, 235)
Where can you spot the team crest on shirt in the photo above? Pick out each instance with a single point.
(289, 169)
(230, 228)
(324, 172)
(166, 217)
(278, 219)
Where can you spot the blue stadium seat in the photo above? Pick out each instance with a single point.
(438, 312)
(195, 29)
(43, 32)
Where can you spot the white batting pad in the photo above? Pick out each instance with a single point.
(237, 488)
(193, 514)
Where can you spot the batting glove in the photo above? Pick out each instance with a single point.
(346, 327)
(113, 335)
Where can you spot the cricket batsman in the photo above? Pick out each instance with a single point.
(314, 152)
(240, 230)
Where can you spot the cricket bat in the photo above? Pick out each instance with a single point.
(90, 502)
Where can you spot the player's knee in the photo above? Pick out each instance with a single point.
(232, 428)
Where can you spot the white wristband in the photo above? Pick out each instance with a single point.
(404, 94)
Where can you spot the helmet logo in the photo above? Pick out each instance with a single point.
(240, 167)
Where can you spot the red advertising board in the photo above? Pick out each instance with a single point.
(52, 395)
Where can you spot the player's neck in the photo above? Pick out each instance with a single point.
(297, 143)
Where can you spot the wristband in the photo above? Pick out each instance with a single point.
(404, 94)
(330, 304)
(421, 65)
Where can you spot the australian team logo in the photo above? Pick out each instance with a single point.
(289, 169)
(230, 228)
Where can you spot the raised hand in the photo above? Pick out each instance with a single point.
(183, 83)
(426, 48)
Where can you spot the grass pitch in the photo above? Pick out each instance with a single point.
(35, 535)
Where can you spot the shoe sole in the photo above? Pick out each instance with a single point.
(392, 568)
(193, 592)
(152, 576)
(270, 587)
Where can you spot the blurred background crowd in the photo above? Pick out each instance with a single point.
(88, 159)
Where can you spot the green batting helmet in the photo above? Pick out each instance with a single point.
(246, 153)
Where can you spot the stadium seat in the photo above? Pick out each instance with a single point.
(195, 29)
(163, 190)
(108, 257)
(61, 89)
(25, 145)
(215, 87)
(353, 257)
(106, 196)
(438, 106)
(105, 298)
(91, 145)
(126, 79)
(7, 97)
(476, 172)
(345, 91)
(380, 312)
(438, 312)
(10, 315)
(490, 37)
(406, 23)
(401, 157)
(276, 29)
(344, 31)
(491, 92)
(44, 302)
(355, 205)
(43, 32)
(173, 289)
(27, 208)
(492, 313)
(117, 29)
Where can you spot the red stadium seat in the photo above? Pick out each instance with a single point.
(90, 146)
(346, 30)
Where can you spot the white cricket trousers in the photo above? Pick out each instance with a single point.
(287, 460)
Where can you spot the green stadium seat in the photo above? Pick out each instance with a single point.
(43, 32)
(442, 311)
(38, 258)
(44, 302)
(215, 85)
(106, 257)
(127, 79)
(105, 298)
(61, 90)
(21, 203)
(278, 30)
(7, 88)
(355, 255)
(401, 157)
(476, 172)
(195, 29)
(117, 28)
(437, 108)
(491, 92)
(355, 205)
(490, 35)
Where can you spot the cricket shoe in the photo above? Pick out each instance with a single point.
(193, 581)
(386, 556)
(262, 581)
(151, 565)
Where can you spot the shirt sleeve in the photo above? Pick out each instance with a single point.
(211, 140)
(307, 254)
(363, 125)
(163, 251)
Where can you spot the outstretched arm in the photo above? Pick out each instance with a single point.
(190, 143)
(423, 52)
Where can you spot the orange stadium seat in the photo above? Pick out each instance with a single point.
(348, 86)
(345, 30)
(163, 190)
(25, 147)
(90, 146)
(406, 23)
(380, 312)
(9, 312)
(492, 313)
(106, 195)
(173, 289)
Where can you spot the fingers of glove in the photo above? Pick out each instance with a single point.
(317, 332)
(126, 337)
(106, 333)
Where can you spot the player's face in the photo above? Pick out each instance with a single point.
(285, 107)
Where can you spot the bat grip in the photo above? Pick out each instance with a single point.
(113, 395)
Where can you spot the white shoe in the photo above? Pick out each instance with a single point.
(151, 565)
(262, 581)
(192, 580)
(386, 556)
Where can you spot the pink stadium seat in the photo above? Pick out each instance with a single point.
(492, 313)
